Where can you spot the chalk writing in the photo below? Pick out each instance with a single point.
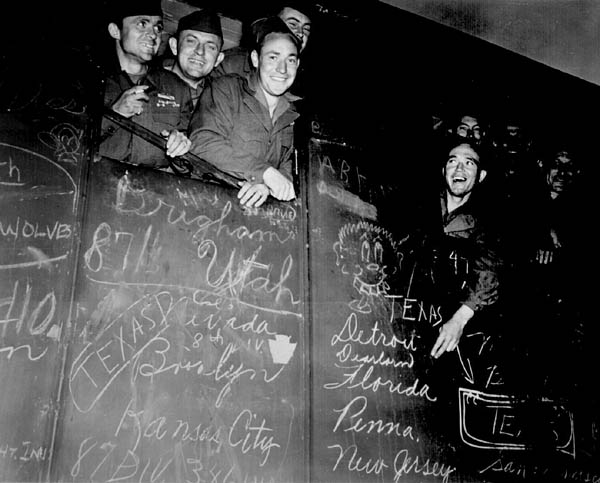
(25, 452)
(14, 171)
(119, 466)
(227, 371)
(509, 468)
(239, 280)
(341, 169)
(141, 327)
(498, 421)
(349, 458)
(24, 316)
(361, 377)
(105, 242)
(23, 228)
(10, 174)
(356, 424)
(146, 204)
(581, 475)
(372, 337)
(250, 436)
(30, 353)
(350, 333)
(347, 355)
(476, 369)
(405, 464)
(194, 197)
(275, 214)
(250, 274)
(527, 471)
(160, 428)
(413, 309)
(107, 461)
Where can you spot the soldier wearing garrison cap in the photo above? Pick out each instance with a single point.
(138, 90)
(196, 47)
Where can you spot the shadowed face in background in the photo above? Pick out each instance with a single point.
(561, 172)
(469, 128)
(513, 139)
(298, 23)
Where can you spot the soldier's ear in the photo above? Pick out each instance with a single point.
(254, 59)
(482, 175)
(173, 45)
(114, 31)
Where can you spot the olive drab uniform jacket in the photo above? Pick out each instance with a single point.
(459, 256)
(232, 129)
(169, 108)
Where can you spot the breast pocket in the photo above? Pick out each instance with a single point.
(166, 111)
(251, 140)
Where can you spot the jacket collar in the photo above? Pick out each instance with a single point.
(460, 219)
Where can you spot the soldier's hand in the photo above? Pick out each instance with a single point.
(177, 143)
(451, 331)
(280, 187)
(131, 102)
(253, 195)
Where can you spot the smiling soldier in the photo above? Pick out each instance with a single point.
(196, 47)
(463, 251)
(244, 125)
(134, 88)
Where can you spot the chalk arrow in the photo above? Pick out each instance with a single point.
(468, 370)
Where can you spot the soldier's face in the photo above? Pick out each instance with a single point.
(462, 170)
(140, 36)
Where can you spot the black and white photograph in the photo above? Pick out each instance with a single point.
(303, 241)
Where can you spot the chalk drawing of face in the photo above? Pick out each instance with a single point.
(370, 255)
